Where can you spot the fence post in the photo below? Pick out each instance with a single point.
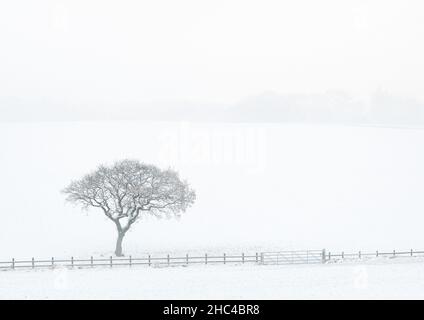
(257, 257)
(130, 261)
(91, 261)
(206, 258)
(394, 253)
(359, 254)
(168, 260)
(52, 262)
(329, 255)
(342, 254)
(150, 262)
(13, 263)
(262, 258)
(242, 257)
(376, 253)
(187, 258)
(33, 264)
(224, 258)
(72, 262)
(411, 253)
(323, 256)
(111, 261)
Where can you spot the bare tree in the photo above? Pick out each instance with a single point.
(127, 190)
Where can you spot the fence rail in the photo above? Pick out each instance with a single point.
(341, 255)
(264, 258)
(283, 257)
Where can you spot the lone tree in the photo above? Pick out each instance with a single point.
(127, 190)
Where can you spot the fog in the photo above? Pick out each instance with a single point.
(78, 54)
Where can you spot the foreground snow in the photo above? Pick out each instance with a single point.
(400, 278)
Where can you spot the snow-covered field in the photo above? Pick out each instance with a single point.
(259, 187)
(400, 278)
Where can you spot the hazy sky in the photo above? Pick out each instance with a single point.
(210, 51)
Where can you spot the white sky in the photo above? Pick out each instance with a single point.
(211, 51)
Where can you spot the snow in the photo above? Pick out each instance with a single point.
(400, 278)
(260, 187)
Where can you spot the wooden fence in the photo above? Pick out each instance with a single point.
(283, 257)
(341, 255)
(264, 258)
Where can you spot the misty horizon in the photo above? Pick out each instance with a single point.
(332, 61)
(337, 107)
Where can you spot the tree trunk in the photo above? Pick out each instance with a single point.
(118, 249)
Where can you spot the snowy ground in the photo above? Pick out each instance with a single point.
(276, 187)
(400, 278)
(260, 187)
